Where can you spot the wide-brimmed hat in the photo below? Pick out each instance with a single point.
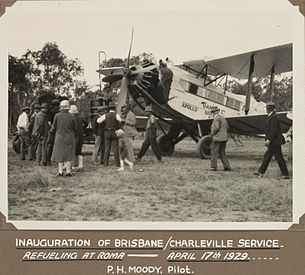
(111, 105)
(214, 109)
(26, 107)
(36, 107)
(44, 105)
(64, 105)
(270, 104)
(55, 102)
(148, 109)
(290, 115)
(73, 109)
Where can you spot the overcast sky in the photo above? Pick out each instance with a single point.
(180, 30)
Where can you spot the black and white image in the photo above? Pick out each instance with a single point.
(142, 111)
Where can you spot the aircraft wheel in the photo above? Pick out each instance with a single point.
(16, 143)
(204, 147)
(166, 147)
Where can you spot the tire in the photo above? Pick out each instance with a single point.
(16, 143)
(204, 147)
(166, 147)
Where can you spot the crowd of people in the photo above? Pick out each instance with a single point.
(54, 133)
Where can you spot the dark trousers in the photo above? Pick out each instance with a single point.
(49, 152)
(218, 148)
(277, 152)
(150, 140)
(111, 141)
(25, 144)
(42, 150)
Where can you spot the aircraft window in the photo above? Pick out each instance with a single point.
(216, 97)
(233, 103)
(193, 89)
(185, 85)
(201, 91)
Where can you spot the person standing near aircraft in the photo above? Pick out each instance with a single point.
(81, 124)
(40, 132)
(151, 135)
(274, 141)
(219, 133)
(64, 127)
(34, 141)
(112, 123)
(24, 134)
(129, 127)
(99, 132)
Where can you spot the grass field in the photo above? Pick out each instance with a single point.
(179, 189)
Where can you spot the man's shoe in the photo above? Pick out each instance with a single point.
(227, 169)
(285, 177)
(258, 174)
(120, 169)
(68, 175)
(213, 169)
(59, 175)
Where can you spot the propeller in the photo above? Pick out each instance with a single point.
(124, 90)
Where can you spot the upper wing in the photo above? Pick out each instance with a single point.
(279, 57)
(111, 70)
(250, 125)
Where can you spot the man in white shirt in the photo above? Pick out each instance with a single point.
(23, 124)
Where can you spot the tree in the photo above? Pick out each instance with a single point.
(36, 72)
(282, 94)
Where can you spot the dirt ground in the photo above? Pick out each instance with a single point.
(179, 189)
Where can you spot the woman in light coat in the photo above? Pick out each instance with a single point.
(64, 127)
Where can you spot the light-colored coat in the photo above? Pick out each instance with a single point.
(219, 128)
(64, 126)
(130, 125)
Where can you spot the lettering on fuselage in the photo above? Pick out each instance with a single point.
(189, 106)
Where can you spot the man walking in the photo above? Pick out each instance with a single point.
(40, 132)
(274, 141)
(151, 135)
(219, 133)
(23, 131)
(112, 123)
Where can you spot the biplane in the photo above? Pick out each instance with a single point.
(182, 95)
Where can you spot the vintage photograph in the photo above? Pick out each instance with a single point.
(149, 112)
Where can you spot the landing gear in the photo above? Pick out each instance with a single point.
(204, 147)
(166, 145)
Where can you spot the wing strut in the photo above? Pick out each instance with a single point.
(272, 83)
(249, 91)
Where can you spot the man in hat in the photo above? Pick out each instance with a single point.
(51, 137)
(112, 123)
(274, 141)
(166, 78)
(151, 136)
(219, 133)
(129, 127)
(23, 124)
(81, 125)
(40, 132)
(99, 132)
(32, 122)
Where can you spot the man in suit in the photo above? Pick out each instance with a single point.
(112, 123)
(219, 133)
(151, 136)
(274, 141)
(99, 132)
(40, 132)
